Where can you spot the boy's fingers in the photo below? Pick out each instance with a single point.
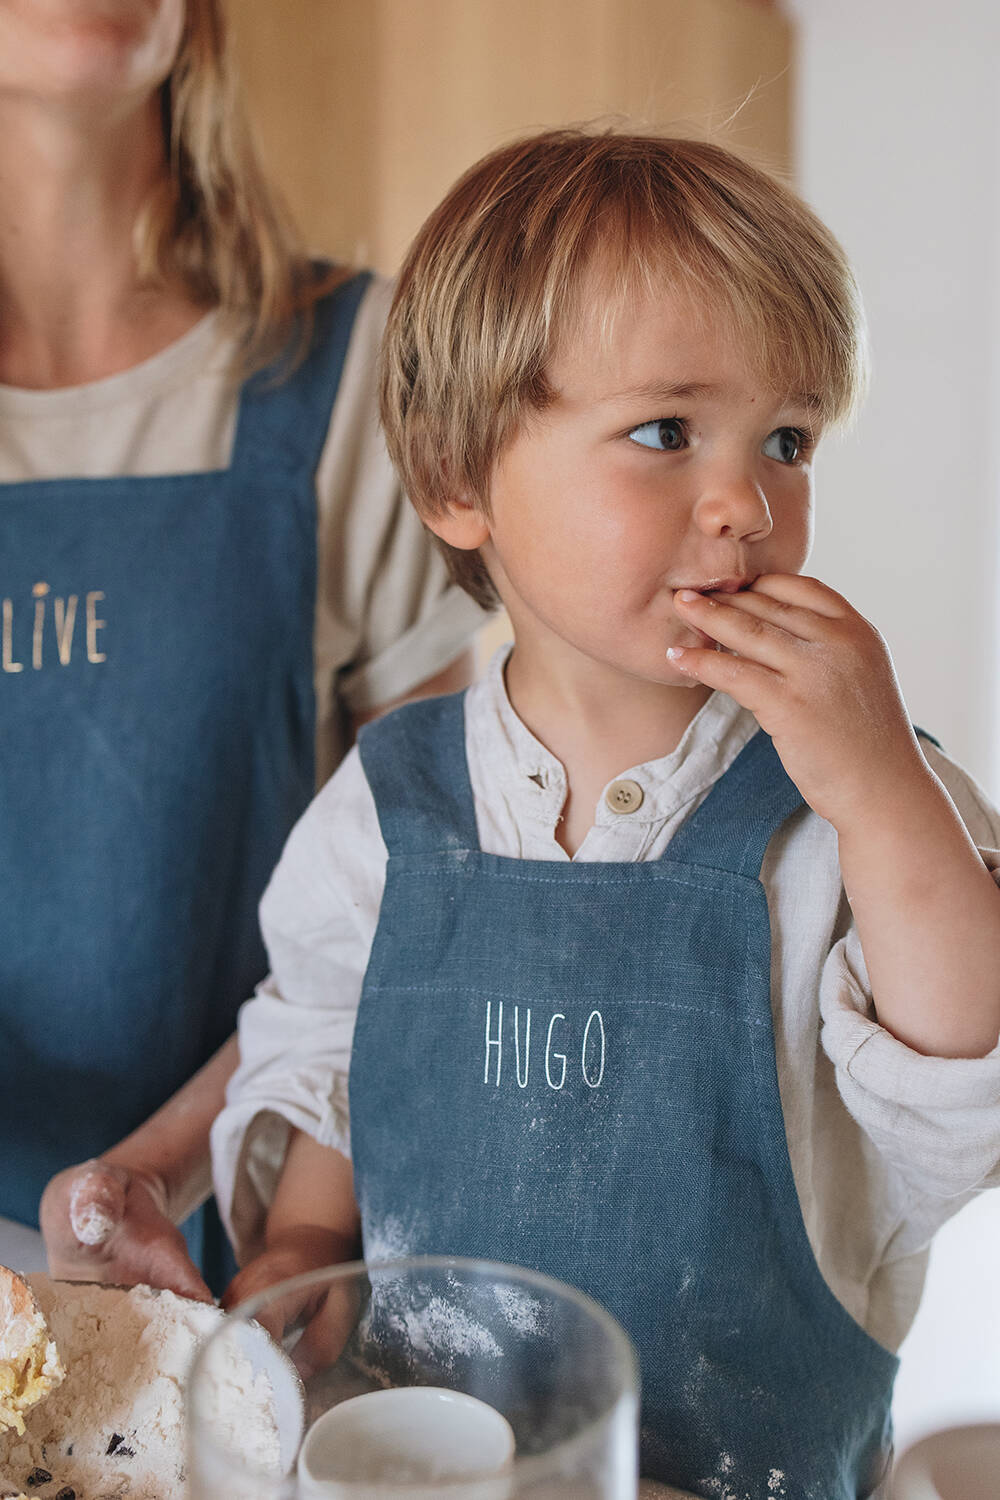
(749, 634)
(259, 1276)
(746, 681)
(795, 589)
(328, 1330)
(794, 619)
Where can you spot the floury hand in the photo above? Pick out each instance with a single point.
(105, 1222)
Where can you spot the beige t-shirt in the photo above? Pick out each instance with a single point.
(386, 616)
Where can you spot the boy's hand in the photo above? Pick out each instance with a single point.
(819, 680)
(296, 1253)
(328, 1311)
(312, 1222)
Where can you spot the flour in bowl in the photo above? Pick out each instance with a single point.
(115, 1427)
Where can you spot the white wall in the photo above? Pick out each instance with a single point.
(899, 150)
(898, 133)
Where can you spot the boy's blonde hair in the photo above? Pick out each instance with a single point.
(214, 225)
(493, 280)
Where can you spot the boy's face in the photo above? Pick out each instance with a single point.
(661, 464)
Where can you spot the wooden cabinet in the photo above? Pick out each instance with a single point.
(366, 110)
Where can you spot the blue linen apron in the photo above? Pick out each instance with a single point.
(156, 745)
(571, 1067)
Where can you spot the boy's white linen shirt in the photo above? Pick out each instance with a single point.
(919, 1135)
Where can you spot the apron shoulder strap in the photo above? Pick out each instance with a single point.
(733, 826)
(415, 762)
(284, 416)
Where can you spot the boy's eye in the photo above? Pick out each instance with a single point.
(666, 436)
(786, 444)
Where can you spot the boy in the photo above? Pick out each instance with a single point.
(590, 1041)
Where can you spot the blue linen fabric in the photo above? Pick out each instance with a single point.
(571, 1067)
(156, 746)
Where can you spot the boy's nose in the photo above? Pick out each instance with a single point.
(736, 508)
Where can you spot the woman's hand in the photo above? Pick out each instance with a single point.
(114, 1218)
(105, 1222)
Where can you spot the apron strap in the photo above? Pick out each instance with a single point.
(284, 417)
(733, 826)
(415, 762)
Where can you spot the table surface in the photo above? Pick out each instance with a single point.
(21, 1248)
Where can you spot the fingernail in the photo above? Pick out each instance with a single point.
(674, 652)
(96, 1204)
(687, 596)
(92, 1225)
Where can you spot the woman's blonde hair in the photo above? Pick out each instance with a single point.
(494, 280)
(214, 224)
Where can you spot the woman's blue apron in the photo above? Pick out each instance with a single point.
(571, 1067)
(156, 745)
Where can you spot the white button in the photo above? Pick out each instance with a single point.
(623, 796)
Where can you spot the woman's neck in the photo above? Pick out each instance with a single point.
(72, 308)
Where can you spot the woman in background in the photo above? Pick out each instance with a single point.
(207, 576)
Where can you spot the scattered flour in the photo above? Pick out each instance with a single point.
(444, 1329)
(391, 1241)
(115, 1427)
(522, 1312)
(724, 1485)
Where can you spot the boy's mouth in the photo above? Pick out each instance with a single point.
(718, 585)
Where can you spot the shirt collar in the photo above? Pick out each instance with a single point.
(531, 777)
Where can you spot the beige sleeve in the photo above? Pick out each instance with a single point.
(318, 919)
(936, 1120)
(387, 617)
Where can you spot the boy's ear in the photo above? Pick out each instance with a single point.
(461, 524)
